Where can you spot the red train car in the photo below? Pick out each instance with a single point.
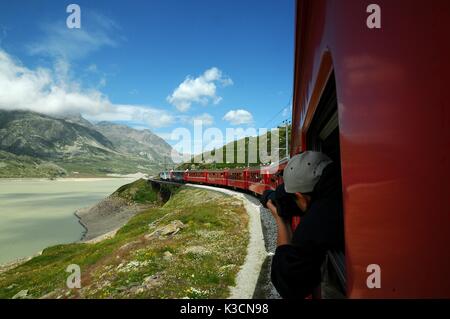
(237, 178)
(256, 181)
(376, 100)
(218, 177)
(200, 177)
(264, 178)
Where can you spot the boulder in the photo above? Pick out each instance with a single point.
(167, 230)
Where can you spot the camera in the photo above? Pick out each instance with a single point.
(285, 202)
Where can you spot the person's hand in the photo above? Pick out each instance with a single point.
(268, 194)
(284, 233)
(273, 209)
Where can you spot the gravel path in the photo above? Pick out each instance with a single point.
(253, 280)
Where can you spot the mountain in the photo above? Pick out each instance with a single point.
(34, 144)
(240, 147)
(141, 143)
(45, 137)
(77, 119)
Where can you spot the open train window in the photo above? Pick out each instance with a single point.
(323, 135)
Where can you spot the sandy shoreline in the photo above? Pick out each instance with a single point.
(106, 216)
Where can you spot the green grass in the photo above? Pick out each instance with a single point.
(138, 191)
(239, 147)
(18, 166)
(24, 166)
(206, 254)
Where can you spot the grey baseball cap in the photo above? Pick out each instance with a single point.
(303, 171)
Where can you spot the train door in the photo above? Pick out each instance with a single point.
(323, 135)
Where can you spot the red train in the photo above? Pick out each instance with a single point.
(255, 180)
(375, 100)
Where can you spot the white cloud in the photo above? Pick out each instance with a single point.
(201, 89)
(238, 117)
(205, 118)
(52, 92)
(143, 115)
(59, 41)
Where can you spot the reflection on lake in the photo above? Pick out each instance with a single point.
(35, 214)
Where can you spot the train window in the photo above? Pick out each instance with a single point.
(323, 135)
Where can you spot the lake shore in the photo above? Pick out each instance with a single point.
(106, 216)
(99, 221)
(38, 213)
(80, 177)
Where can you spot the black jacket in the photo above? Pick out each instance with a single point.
(296, 267)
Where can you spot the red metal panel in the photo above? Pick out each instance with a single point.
(268, 178)
(238, 178)
(217, 177)
(196, 176)
(395, 142)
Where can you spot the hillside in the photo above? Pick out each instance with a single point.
(37, 145)
(241, 146)
(190, 247)
(141, 143)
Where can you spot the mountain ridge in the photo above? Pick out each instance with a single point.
(71, 145)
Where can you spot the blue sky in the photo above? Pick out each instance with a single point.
(151, 64)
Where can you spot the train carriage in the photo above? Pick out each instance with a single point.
(266, 177)
(237, 178)
(164, 176)
(374, 99)
(256, 181)
(176, 176)
(196, 176)
(218, 177)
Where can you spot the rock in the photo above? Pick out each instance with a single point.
(23, 294)
(169, 229)
(152, 281)
(167, 255)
